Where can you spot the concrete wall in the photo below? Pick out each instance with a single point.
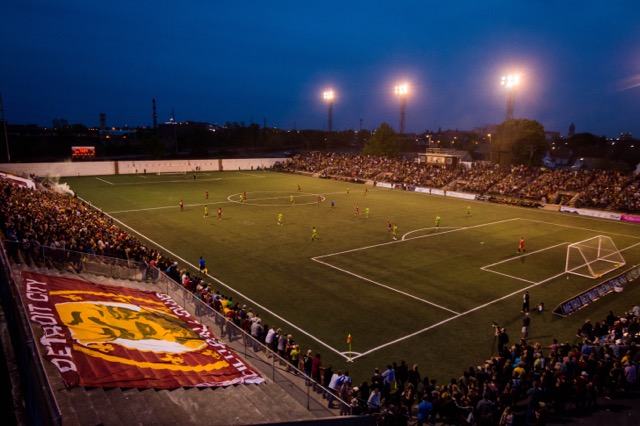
(101, 168)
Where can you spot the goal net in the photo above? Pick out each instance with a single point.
(594, 257)
(172, 172)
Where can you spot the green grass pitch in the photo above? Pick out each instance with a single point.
(429, 297)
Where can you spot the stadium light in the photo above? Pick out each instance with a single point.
(329, 96)
(402, 90)
(510, 82)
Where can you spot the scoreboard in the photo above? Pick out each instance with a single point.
(83, 152)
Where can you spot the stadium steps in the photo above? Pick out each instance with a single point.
(264, 401)
(106, 409)
(269, 402)
(166, 413)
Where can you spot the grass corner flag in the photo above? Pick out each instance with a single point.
(349, 338)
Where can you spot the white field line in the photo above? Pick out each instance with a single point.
(630, 247)
(587, 229)
(249, 202)
(105, 181)
(444, 321)
(533, 284)
(408, 239)
(405, 236)
(250, 174)
(213, 203)
(384, 286)
(155, 182)
(182, 180)
(223, 284)
(349, 355)
(529, 253)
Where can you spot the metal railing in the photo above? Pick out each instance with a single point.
(266, 361)
(40, 404)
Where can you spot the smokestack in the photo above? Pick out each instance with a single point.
(155, 115)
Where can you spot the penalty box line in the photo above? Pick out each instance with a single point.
(438, 324)
(384, 286)
(444, 308)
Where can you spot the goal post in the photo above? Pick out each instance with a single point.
(593, 257)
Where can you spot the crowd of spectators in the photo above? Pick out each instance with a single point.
(524, 185)
(541, 377)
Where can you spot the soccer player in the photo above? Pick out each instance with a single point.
(206, 211)
(299, 189)
(395, 232)
(366, 212)
(389, 225)
(314, 234)
(347, 190)
(206, 194)
(291, 200)
(468, 211)
(319, 199)
(244, 194)
(219, 213)
(242, 198)
(357, 210)
(280, 218)
(201, 262)
(333, 205)
(437, 221)
(366, 190)
(521, 248)
(181, 205)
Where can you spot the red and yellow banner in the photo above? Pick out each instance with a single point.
(107, 336)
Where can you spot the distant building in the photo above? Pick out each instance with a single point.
(59, 122)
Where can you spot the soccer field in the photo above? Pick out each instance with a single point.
(429, 297)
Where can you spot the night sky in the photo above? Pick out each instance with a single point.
(250, 61)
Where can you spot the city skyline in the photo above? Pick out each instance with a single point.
(579, 62)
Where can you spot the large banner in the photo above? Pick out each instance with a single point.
(106, 336)
(589, 296)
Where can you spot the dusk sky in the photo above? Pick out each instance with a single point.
(250, 61)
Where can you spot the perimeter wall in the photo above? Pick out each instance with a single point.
(101, 168)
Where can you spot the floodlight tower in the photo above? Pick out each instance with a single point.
(329, 96)
(401, 91)
(510, 82)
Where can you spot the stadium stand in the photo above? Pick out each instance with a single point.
(524, 379)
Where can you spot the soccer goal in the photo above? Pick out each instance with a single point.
(594, 257)
(171, 172)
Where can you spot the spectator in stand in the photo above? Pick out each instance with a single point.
(316, 368)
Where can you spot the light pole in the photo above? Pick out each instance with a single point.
(402, 90)
(329, 96)
(511, 82)
(490, 149)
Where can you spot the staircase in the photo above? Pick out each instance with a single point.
(277, 400)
